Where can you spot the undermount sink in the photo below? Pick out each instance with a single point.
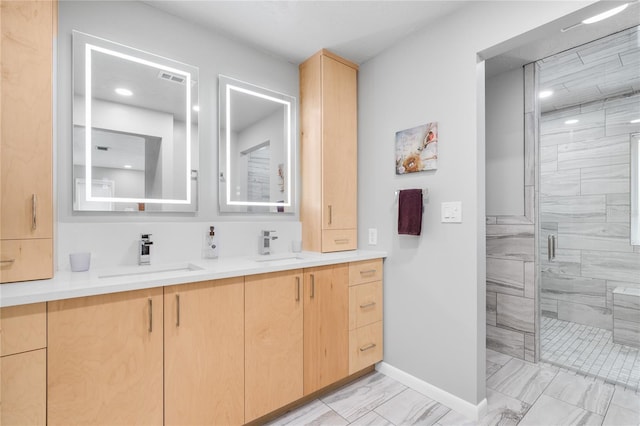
(151, 270)
(279, 257)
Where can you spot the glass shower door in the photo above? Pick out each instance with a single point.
(587, 263)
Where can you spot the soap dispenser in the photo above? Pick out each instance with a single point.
(211, 248)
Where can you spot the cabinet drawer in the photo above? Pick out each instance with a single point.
(339, 240)
(24, 328)
(24, 260)
(365, 346)
(365, 304)
(365, 271)
(23, 385)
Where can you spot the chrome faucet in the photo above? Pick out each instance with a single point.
(144, 250)
(265, 241)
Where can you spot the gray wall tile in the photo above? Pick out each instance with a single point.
(594, 236)
(610, 179)
(505, 276)
(515, 312)
(587, 291)
(611, 266)
(506, 341)
(591, 208)
(585, 314)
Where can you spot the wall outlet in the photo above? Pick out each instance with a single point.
(373, 236)
(451, 212)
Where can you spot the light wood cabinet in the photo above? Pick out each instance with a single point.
(23, 388)
(105, 359)
(203, 353)
(329, 158)
(23, 367)
(26, 220)
(326, 326)
(273, 341)
(365, 314)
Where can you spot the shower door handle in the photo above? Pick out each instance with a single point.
(551, 247)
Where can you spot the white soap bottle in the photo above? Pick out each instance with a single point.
(211, 248)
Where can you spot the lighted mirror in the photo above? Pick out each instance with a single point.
(256, 149)
(635, 189)
(135, 129)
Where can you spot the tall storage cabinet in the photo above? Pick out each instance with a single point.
(26, 224)
(329, 157)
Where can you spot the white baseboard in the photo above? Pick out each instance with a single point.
(473, 412)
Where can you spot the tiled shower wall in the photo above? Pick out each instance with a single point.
(511, 282)
(584, 201)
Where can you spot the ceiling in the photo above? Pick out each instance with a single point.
(295, 30)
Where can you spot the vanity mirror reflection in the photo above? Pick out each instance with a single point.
(135, 129)
(256, 149)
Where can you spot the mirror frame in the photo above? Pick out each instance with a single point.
(228, 85)
(89, 44)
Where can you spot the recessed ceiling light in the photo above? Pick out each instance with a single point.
(196, 108)
(604, 15)
(637, 120)
(127, 166)
(545, 94)
(572, 121)
(123, 92)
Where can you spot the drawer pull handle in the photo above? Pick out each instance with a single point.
(341, 240)
(313, 286)
(367, 347)
(34, 212)
(177, 310)
(7, 261)
(368, 272)
(297, 289)
(330, 214)
(150, 315)
(367, 305)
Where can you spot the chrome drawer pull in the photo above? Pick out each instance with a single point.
(367, 347)
(177, 310)
(367, 305)
(150, 315)
(341, 240)
(330, 214)
(297, 289)
(34, 211)
(368, 271)
(313, 286)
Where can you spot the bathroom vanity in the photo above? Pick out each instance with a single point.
(229, 341)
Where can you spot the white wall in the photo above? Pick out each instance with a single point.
(434, 285)
(505, 143)
(141, 26)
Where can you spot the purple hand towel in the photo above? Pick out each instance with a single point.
(410, 212)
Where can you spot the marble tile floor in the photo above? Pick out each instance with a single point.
(590, 351)
(518, 393)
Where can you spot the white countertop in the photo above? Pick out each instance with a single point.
(67, 285)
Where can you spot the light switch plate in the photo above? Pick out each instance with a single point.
(373, 236)
(451, 212)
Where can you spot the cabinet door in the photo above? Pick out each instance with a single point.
(26, 119)
(204, 353)
(339, 145)
(23, 388)
(326, 326)
(104, 360)
(273, 341)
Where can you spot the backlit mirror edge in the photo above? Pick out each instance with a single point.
(163, 206)
(291, 154)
